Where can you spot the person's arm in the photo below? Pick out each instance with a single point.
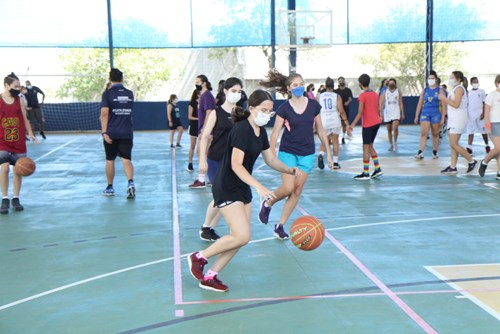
(340, 108)
(104, 124)
(420, 104)
(381, 103)
(169, 114)
(444, 107)
(455, 103)
(349, 98)
(237, 157)
(190, 113)
(361, 106)
(278, 124)
(487, 123)
(27, 124)
(483, 112)
(323, 139)
(41, 92)
(272, 161)
(401, 105)
(205, 136)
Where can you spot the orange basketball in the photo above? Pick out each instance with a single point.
(24, 166)
(307, 233)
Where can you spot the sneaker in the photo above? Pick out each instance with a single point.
(395, 147)
(362, 176)
(196, 266)
(449, 170)
(488, 149)
(131, 191)
(336, 165)
(172, 146)
(197, 185)
(435, 155)
(264, 213)
(4, 209)
(349, 136)
(343, 141)
(178, 145)
(391, 148)
(16, 204)
(190, 167)
(377, 173)
(109, 191)
(43, 135)
(213, 284)
(205, 234)
(213, 235)
(208, 184)
(419, 156)
(498, 175)
(482, 168)
(472, 165)
(321, 162)
(469, 150)
(279, 232)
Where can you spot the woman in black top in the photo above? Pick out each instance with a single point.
(174, 120)
(231, 189)
(217, 125)
(193, 126)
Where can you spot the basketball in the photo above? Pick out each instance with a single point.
(307, 233)
(24, 166)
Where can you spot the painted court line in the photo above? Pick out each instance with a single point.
(176, 240)
(398, 301)
(55, 150)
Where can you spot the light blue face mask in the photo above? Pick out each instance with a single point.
(298, 91)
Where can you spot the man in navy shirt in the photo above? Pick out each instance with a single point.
(117, 133)
(34, 107)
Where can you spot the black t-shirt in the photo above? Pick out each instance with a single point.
(228, 187)
(120, 102)
(345, 94)
(220, 133)
(32, 96)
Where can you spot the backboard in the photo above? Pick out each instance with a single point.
(304, 29)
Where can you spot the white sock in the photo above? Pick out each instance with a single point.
(335, 158)
(321, 153)
(201, 177)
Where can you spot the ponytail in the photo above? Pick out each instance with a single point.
(239, 114)
(275, 79)
(254, 100)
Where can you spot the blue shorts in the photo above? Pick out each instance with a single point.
(304, 163)
(433, 117)
(213, 167)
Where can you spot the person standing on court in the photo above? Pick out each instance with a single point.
(207, 104)
(346, 95)
(391, 104)
(116, 126)
(457, 120)
(35, 108)
(371, 117)
(193, 126)
(299, 115)
(174, 121)
(475, 109)
(231, 189)
(13, 126)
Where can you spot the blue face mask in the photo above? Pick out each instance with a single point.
(298, 91)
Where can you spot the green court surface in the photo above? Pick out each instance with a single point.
(411, 252)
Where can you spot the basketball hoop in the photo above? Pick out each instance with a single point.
(306, 39)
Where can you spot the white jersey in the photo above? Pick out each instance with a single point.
(392, 110)
(330, 116)
(476, 102)
(457, 117)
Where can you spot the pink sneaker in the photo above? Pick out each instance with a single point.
(197, 185)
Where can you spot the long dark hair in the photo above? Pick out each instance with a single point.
(204, 78)
(255, 99)
(275, 79)
(461, 78)
(172, 98)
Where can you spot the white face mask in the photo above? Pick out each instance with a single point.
(475, 86)
(233, 97)
(262, 119)
(498, 86)
(452, 82)
(431, 82)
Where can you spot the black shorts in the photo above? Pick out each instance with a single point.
(193, 128)
(369, 134)
(176, 122)
(119, 147)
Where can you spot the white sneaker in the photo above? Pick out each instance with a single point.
(419, 156)
(395, 147)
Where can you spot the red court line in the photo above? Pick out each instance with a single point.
(398, 301)
(333, 296)
(176, 240)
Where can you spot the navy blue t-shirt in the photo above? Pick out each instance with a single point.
(298, 137)
(120, 101)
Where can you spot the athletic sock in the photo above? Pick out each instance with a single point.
(375, 161)
(201, 177)
(366, 166)
(200, 256)
(210, 275)
(335, 158)
(321, 153)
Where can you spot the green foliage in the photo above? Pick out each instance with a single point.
(145, 70)
(406, 63)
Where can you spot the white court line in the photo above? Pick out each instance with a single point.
(64, 287)
(55, 150)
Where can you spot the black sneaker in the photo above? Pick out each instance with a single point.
(4, 209)
(178, 145)
(279, 232)
(321, 162)
(131, 191)
(377, 173)
(205, 234)
(16, 204)
(336, 165)
(213, 235)
(343, 141)
(264, 213)
(498, 175)
(190, 167)
(482, 168)
(172, 146)
(362, 176)
(469, 150)
(472, 165)
(449, 170)
(43, 135)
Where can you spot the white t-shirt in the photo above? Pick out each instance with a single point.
(493, 100)
(476, 100)
(330, 116)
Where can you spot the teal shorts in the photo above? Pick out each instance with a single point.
(304, 163)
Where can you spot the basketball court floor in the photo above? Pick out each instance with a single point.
(411, 252)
